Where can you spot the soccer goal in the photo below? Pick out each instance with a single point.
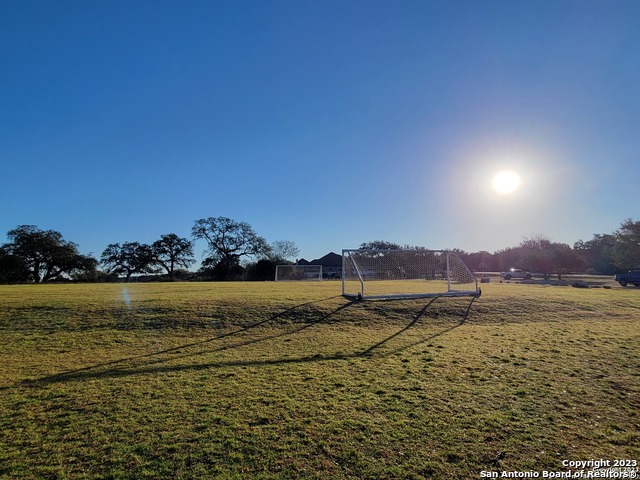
(378, 274)
(292, 273)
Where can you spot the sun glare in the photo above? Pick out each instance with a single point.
(506, 182)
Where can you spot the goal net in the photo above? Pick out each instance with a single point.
(371, 274)
(291, 273)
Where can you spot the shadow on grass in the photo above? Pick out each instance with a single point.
(93, 371)
(153, 365)
(417, 317)
(426, 339)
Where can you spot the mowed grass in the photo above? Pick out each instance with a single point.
(286, 380)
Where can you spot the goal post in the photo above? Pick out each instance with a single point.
(297, 273)
(380, 274)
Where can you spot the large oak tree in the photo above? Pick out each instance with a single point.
(45, 253)
(172, 251)
(130, 258)
(228, 242)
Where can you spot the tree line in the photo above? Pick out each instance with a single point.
(235, 252)
(604, 254)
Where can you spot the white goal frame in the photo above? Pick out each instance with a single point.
(415, 273)
(298, 273)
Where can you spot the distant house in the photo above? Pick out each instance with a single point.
(331, 264)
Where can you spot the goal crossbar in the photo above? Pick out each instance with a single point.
(416, 273)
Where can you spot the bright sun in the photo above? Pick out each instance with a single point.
(506, 182)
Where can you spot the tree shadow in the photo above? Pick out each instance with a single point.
(151, 363)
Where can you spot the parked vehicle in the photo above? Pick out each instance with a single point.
(516, 273)
(633, 277)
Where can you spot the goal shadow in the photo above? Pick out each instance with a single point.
(158, 362)
(416, 318)
(150, 362)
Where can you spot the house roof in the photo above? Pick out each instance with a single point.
(329, 260)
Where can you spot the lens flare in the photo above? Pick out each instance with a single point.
(125, 297)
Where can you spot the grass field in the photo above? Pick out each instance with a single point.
(273, 380)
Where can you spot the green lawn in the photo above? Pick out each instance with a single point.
(286, 380)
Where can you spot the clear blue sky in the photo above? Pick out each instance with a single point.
(329, 123)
